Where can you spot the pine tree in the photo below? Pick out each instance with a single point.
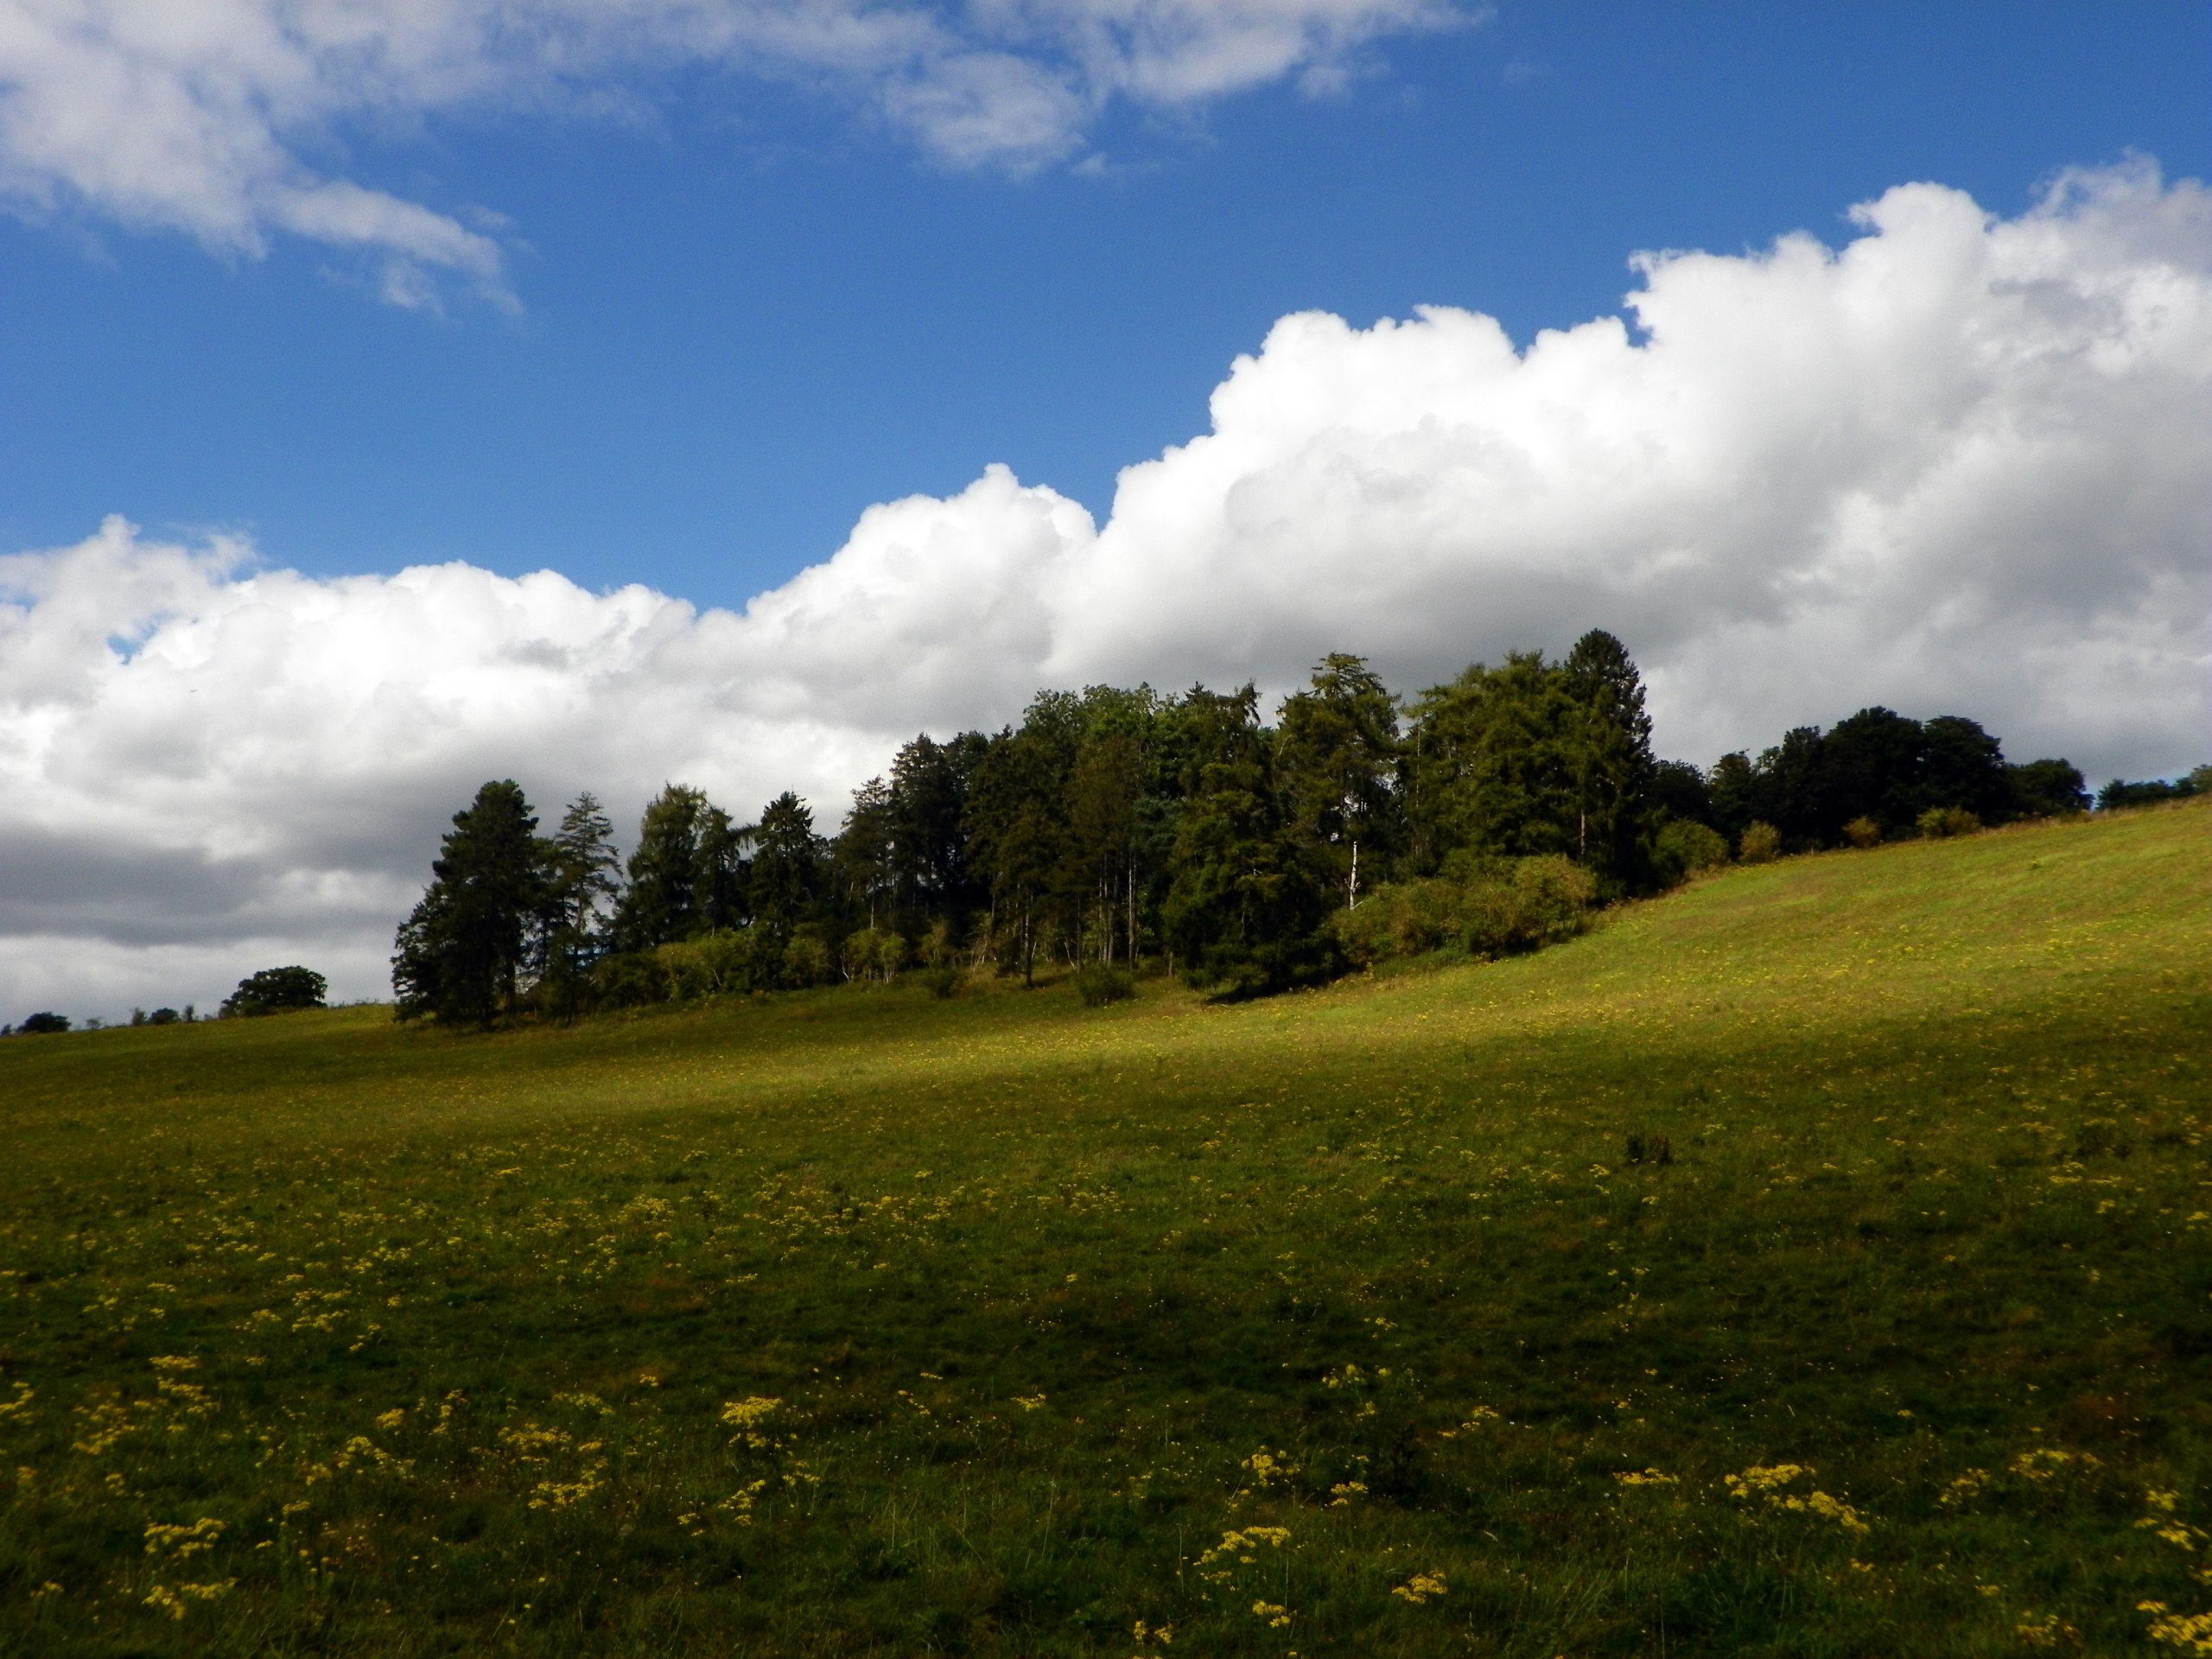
(463, 952)
(662, 903)
(582, 885)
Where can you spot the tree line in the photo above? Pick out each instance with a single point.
(1115, 828)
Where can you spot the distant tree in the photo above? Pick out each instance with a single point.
(720, 872)
(860, 858)
(2118, 792)
(1610, 757)
(1871, 765)
(273, 990)
(1015, 829)
(43, 1024)
(1962, 766)
(1488, 767)
(1734, 788)
(787, 860)
(927, 810)
(1794, 787)
(1103, 795)
(1336, 755)
(1242, 908)
(164, 1017)
(661, 903)
(583, 884)
(2047, 789)
(1680, 791)
(463, 951)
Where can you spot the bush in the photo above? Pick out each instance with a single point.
(1100, 984)
(1762, 844)
(1863, 832)
(46, 1024)
(941, 981)
(275, 990)
(1481, 907)
(1942, 823)
(630, 979)
(806, 962)
(1683, 847)
(873, 953)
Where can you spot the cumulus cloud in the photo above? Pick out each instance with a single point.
(202, 116)
(1957, 465)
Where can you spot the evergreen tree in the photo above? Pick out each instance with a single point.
(464, 950)
(787, 860)
(1241, 908)
(582, 885)
(1608, 748)
(860, 858)
(661, 905)
(1337, 754)
(720, 872)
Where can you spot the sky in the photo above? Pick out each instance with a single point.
(605, 392)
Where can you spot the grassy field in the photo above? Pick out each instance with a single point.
(1350, 1322)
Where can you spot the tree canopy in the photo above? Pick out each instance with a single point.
(1112, 826)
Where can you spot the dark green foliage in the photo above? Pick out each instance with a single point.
(581, 885)
(661, 903)
(1098, 983)
(787, 865)
(1682, 848)
(1679, 789)
(44, 1024)
(1887, 770)
(273, 990)
(1112, 825)
(1241, 907)
(464, 951)
(1531, 758)
(2119, 793)
(1338, 755)
(2047, 789)
(1479, 907)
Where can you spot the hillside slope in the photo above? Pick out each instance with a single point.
(857, 1322)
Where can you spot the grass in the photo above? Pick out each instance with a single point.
(861, 1322)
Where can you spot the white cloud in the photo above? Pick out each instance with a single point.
(1958, 465)
(205, 116)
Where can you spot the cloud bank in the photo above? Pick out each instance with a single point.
(207, 116)
(1958, 465)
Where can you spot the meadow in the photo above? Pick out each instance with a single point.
(1816, 1261)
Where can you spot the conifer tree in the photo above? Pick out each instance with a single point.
(463, 951)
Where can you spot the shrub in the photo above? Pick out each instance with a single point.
(1101, 984)
(1942, 823)
(806, 962)
(941, 981)
(275, 990)
(1863, 832)
(1683, 847)
(873, 953)
(1762, 844)
(1484, 907)
(45, 1023)
(630, 979)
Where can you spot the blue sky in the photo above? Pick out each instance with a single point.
(745, 318)
(755, 300)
